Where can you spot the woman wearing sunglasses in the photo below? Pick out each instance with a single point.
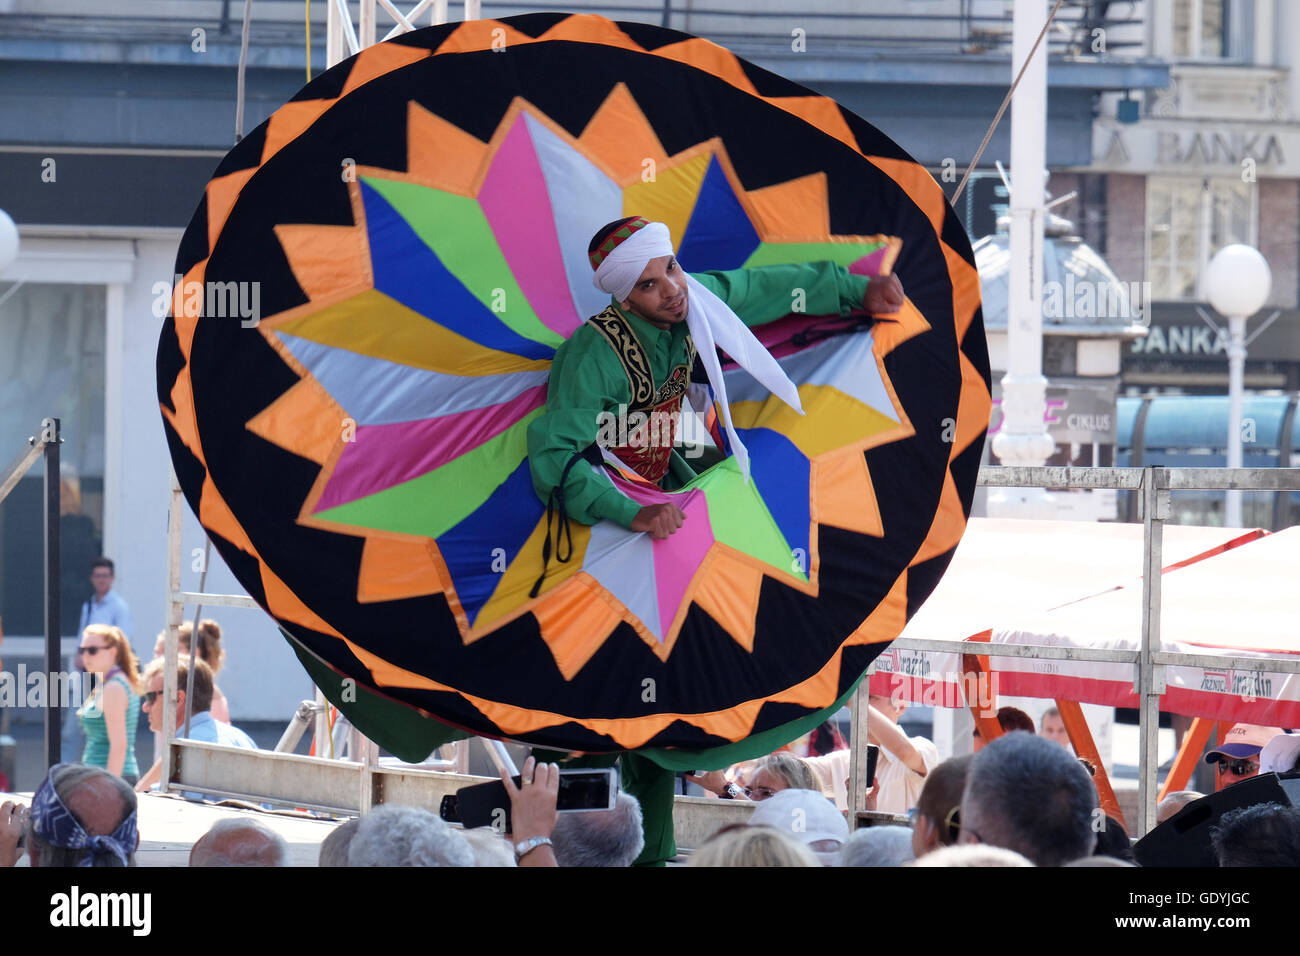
(109, 716)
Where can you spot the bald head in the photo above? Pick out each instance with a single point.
(234, 842)
(100, 801)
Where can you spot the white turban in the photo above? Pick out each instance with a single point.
(712, 324)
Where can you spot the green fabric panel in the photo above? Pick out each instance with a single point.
(403, 732)
(759, 745)
(455, 228)
(741, 520)
(432, 503)
(782, 253)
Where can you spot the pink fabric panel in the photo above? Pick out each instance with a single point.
(518, 206)
(869, 265)
(678, 557)
(387, 455)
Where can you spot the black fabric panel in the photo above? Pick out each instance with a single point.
(767, 83)
(535, 24)
(923, 578)
(246, 154)
(189, 470)
(169, 363)
(194, 243)
(651, 37)
(965, 470)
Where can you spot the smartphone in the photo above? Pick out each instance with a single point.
(873, 754)
(488, 804)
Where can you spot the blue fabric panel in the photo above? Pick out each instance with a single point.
(719, 235)
(782, 474)
(504, 521)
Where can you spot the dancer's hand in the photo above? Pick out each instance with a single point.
(884, 295)
(659, 520)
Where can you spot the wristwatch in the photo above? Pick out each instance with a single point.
(730, 792)
(524, 847)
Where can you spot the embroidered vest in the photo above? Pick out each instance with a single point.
(648, 431)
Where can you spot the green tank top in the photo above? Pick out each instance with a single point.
(96, 729)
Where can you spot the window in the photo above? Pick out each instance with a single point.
(1188, 220)
(52, 340)
(1213, 29)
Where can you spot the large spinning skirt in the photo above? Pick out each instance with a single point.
(375, 281)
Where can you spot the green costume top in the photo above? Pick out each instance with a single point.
(587, 378)
(95, 728)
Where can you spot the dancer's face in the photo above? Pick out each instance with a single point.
(660, 295)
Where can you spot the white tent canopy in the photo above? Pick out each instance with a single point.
(1244, 602)
(1008, 569)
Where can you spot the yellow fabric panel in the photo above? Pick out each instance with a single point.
(373, 324)
(670, 199)
(618, 138)
(833, 420)
(327, 260)
(727, 590)
(441, 155)
(797, 210)
(575, 622)
(393, 568)
(843, 496)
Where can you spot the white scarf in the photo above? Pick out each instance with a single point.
(712, 324)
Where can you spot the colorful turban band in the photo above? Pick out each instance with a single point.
(619, 262)
(54, 823)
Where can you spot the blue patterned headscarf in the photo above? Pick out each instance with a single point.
(54, 823)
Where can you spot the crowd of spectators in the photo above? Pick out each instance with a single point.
(1023, 800)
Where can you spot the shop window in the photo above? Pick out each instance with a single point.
(1188, 220)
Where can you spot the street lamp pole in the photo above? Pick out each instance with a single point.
(1237, 282)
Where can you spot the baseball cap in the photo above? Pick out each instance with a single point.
(807, 815)
(1279, 754)
(1243, 740)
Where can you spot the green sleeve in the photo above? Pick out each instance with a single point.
(768, 293)
(583, 386)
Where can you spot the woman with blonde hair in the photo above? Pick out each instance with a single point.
(745, 845)
(109, 716)
(210, 652)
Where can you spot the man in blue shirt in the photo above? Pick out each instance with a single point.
(203, 726)
(105, 606)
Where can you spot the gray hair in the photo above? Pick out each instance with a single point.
(877, 846)
(334, 848)
(69, 780)
(1027, 794)
(237, 842)
(600, 837)
(391, 835)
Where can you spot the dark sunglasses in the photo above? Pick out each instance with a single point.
(1238, 768)
(92, 651)
(150, 696)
